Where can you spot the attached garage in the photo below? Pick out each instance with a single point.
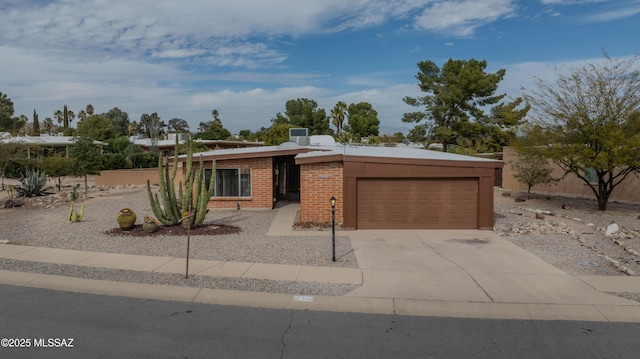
(431, 203)
(400, 188)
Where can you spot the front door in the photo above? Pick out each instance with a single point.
(286, 179)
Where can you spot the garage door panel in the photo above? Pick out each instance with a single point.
(417, 203)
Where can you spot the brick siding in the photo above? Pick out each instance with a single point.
(261, 184)
(318, 182)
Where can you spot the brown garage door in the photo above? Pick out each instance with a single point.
(417, 203)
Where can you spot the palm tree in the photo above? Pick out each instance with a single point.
(338, 114)
(71, 115)
(47, 124)
(89, 109)
(59, 116)
(82, 115)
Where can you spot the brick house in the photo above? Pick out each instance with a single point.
(375, 187)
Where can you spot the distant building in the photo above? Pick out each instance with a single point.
(43, 145)
(166, 146)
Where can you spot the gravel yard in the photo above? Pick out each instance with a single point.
(48, 227)
(42, 222)
(572, 239)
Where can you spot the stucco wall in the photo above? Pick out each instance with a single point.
(318, 182)
(131, 177)
(571, 185)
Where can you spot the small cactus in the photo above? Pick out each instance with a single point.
(76, 216)
(74, 192)
(11, 191)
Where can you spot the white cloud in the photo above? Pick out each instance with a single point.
(172, 30)
(613, 15)
(570, 2)
(147, 55)
(463, 17)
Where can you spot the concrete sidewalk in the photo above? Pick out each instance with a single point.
(473, 274)
(178, 265)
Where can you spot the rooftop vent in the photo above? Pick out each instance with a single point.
(299, 136)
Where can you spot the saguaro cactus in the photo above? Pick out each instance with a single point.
(193, 193)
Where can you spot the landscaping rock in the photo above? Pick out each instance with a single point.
(12, 203)
(611, 229)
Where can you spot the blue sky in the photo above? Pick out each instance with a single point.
(246, 58)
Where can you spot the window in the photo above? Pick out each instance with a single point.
(231, 182)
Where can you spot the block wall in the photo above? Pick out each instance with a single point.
(132, 177)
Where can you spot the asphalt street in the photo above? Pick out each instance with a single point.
(117, 327)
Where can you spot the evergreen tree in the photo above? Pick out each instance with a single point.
(36, 124)
(456, 96)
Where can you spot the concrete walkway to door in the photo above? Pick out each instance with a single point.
(473, 273)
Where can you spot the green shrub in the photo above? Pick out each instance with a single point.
(17, 167)
(144, 160)
(115, 161)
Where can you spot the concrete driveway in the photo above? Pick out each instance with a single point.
(463, 266)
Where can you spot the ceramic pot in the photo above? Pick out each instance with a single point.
(126, 219)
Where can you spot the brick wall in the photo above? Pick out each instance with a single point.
(318, 182)
(261, 184)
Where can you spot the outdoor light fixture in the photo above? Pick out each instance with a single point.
(333, 201)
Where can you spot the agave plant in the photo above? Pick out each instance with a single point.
(33, 184)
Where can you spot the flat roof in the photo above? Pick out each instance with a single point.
(146, 142)
(393, 152)
(309, 154)
(44, 140)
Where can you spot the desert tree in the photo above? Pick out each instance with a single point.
(86, 159)
(97, 127)
(178, 125)
(531, 170)
(119, 119)
(587, 122)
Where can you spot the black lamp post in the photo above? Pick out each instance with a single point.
(333, 225)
